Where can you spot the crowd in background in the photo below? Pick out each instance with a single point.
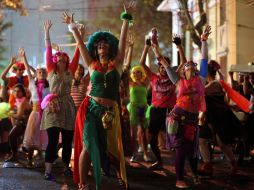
(116, 109)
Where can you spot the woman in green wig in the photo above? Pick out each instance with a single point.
(97, 136)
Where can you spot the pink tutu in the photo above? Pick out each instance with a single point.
(34, 137)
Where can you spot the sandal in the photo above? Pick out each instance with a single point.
(12, 159)
(68, 172)
(83, 187)
(122, 184)
(196, 180)
(49, 177)
(181, 184)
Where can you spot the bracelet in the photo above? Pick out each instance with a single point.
(126, 16)
(47, 38)
(71, 27)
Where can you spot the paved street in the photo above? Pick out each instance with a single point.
(140, 178)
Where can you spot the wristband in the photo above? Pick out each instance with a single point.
(71, 27)
(126, 16)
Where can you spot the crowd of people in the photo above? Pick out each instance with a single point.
(105, 114)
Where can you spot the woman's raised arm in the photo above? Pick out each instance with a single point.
(204, 52)
(144, 55)
(74, 30)
(22, 54)
(127, 17)
(49, 62)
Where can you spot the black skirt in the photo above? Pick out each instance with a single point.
(224, 122)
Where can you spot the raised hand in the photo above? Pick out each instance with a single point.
(231, 74)
(130, 8)
(55, 47)
(154, 36)
(68, 19)
(206, 33)
(148, 40)
(176, 39)
(47, 25)
(13, 59)
(22, 52)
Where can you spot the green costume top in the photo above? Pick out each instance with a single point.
(138, 95)
(105, 85)
(138, 106)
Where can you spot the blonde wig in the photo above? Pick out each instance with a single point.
(136, 69)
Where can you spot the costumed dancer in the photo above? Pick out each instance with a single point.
(220, 117)
(137, 109)
(182, 124)
(79, 86)
(34, 138)
(98, 137)
(60, 74)
(80, 82)
(163, 100)
(18, 69)
(5, 122)
(20, 117)
(124, 95)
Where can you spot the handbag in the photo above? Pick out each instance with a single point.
(172, 125)
(107, 119)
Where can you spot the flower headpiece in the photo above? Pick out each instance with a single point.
(140, 69)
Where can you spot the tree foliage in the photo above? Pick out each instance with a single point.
(195, 30)
(145, 18)
(3, 27)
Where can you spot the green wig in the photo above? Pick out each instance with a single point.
(108, 37)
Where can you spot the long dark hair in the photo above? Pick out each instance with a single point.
(22, 88)
(75, 81)
(213, 67)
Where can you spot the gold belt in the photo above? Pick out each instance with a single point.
(36, 107)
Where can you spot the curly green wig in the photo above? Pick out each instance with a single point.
(108, 37)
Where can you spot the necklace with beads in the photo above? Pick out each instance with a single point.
(105, 68)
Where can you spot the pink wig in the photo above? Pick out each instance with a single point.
(61, 53)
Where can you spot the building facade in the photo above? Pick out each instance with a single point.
(232, 30)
